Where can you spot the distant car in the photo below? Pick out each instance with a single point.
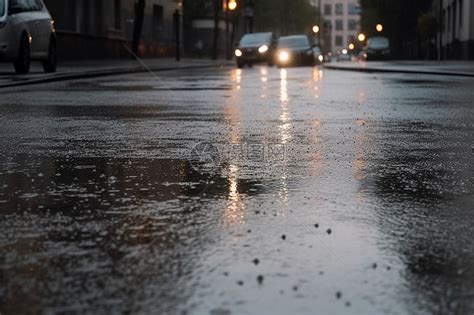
(255, 48)
(344, 55)
(27, 33)
(295, 50)
(377, 48)
(318, 54)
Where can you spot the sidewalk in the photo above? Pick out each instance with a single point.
(454, 68)
(82, 69)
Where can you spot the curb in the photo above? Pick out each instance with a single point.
(104, 73)
(407, 71)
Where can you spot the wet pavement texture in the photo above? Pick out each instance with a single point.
(253, 191)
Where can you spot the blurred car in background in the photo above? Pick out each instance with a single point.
(318, 53)
(295, 50)
(344, 55)
(377, 48)
(27, 33)
(255, 48)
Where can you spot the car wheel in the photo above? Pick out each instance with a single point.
(22, 64)
(50, 64)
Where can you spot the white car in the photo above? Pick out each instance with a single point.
(27, 33)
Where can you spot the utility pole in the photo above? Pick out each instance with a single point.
(229, 7)
(215, 41)
(227, 48)
(440, 31)
(138, 25)
(320, 23)
(176, 18)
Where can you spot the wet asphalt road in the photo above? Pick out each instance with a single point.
(254, 191)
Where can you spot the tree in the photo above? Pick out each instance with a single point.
(400, 21)
(285, 17)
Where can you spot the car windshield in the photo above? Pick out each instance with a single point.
(290, 42)
(256, 38)
(378, 43)
(2, 7)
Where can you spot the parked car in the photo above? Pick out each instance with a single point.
(377, 48)
(295, 50)
(27, 33)
(255, 48)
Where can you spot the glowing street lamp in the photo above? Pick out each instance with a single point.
(361, 37)
(379, 28)
(232, 5)
(316, 29)
(351, 46)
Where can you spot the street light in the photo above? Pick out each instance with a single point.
(379, 27)
(316, 29)
(361, 37)
(351, 46)
(232, 5)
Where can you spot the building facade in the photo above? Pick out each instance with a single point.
(456, 32)
(340, 23)
(104, 28)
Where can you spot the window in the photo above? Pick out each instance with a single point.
(353, 9)
(339, 25)
(352, 25)
(293, 41)
(117, 15)
(327, 9)
(17, 6)
(39, 5)
(339, 40)
(339, 9)
(2, 7)
(460, 12)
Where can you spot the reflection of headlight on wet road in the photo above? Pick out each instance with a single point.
(263, 49)
(238, 53)
(284, 56)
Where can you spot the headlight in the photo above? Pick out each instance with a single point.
(321, 58)
(284, 56)
(238, 53)
(263, 49)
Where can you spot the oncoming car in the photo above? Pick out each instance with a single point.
(27, 33)
(255, 48)
(295, 50)
(378, 48)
